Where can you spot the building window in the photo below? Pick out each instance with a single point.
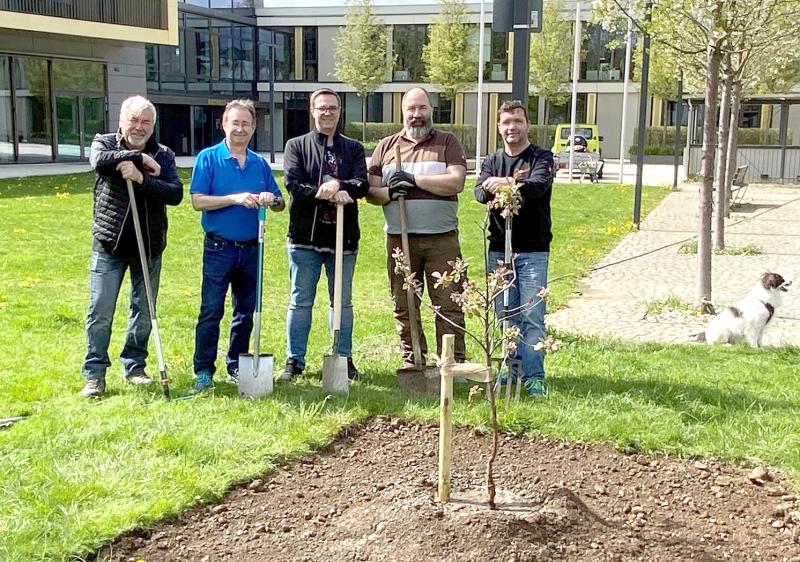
(442, 109)
(34, 120)
(243, 56)
(672, 114)
(352, 108)
(198, 53)
(496, 66)
(408, 41)
(6, 130)
(750, 116)
(284, 55)
(601, 62)
(562, 113)
(264, 66)
(310, 54)
(151, 55)
(171, 67)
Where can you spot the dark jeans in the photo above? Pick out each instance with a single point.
(429, 253)
(224, 264)
(105, 280)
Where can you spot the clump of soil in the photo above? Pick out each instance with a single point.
(370, 496)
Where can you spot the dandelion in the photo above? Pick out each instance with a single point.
(20, 231)
(62, 194)
(29, 282)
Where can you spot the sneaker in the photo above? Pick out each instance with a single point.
(291, 370)
(535, 386)
(203, 381)
(233, 376)
(352, 372)
(93, 388)
(139, 378)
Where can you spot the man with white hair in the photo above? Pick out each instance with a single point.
(129, 154)
(432, 176)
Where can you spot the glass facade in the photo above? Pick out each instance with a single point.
(213, 57)
(408, 41)
(31, 88)
(6, 129)
(284, 54)
(603, 54)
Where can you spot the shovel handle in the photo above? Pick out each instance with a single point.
(411, 298)
(337, 276)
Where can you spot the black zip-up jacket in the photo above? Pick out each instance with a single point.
(111, 203)
(531, 228)
(302, 162)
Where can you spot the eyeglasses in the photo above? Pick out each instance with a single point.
(327, 109)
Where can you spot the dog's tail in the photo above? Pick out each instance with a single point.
(699, 337)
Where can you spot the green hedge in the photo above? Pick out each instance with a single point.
(655, 150)
(658, 136)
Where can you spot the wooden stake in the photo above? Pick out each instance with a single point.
(446, 417)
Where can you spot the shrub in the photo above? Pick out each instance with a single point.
(376, 131)
(655, 149)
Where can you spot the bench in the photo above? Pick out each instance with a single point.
(738, 186)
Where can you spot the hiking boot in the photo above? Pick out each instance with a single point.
(203, 381)
(93, 388)
(535, 386)
(139, 378)
(352, 372)
(291, 370)
(233, 376)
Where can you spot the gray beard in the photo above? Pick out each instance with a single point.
(418, 133)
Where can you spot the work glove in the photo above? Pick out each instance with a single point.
(401, 177)
(399, 189)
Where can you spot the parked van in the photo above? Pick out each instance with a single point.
(589, 132)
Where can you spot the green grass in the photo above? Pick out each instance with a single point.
(77, 473)
(671, 303)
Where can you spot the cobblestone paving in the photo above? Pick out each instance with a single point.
(613, 299)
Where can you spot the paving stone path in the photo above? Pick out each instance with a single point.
(613, 298)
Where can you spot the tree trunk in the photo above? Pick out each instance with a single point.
(703, 302)
(722, 161)
(364, 118)
(733, 143)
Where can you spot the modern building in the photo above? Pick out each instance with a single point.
(65, 66)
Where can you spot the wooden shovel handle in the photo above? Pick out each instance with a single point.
(410, 295)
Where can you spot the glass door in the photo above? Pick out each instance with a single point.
(69, 127)
(93, 120)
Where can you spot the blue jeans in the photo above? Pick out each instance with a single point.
(225, 264)
(105, 280)
(531, 277)
(305, 267)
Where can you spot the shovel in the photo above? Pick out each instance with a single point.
(414, 379)
(255, 369)
(151, 306)
(334, 366)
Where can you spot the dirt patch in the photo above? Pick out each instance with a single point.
(370, 496)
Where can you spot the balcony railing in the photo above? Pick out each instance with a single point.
(150, 14)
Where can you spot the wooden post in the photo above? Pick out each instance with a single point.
(446, 417)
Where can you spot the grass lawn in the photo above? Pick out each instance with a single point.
(77, 473)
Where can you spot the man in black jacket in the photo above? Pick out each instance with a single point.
(530, 167)
(129, 154)
(323, 169)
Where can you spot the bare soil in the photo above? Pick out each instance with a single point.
(370, 496)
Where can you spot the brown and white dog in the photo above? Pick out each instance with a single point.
(745, 321)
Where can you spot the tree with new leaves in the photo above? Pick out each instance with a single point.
(360, 53)
(550, 56)
(451, 60)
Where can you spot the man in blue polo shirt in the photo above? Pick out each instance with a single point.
(229, 183)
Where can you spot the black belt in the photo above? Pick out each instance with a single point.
(237, 243)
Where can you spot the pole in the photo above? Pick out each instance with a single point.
(637, 196)
(522, 47)
(625, 84)
(576, 68)
(272, 103)
(480, 118)
(678, 122)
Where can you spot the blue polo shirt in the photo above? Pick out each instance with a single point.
(217, 172)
